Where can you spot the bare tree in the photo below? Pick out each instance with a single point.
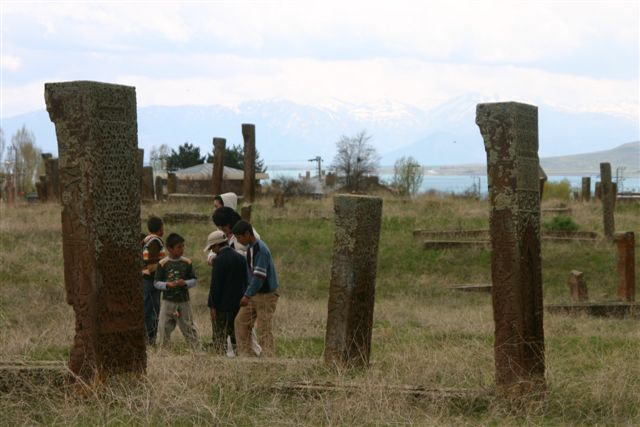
(158, 157)
(26, 159)
(355, 159)
(407, 176)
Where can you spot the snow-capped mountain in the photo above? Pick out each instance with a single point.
(287, 132)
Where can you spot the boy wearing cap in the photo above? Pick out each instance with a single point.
(261, 296)
(229, 278)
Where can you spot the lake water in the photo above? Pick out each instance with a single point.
(458, 184)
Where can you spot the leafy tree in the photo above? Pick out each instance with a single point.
(234, 158)
(187, 156)
(26, 159)
(158, 157)
(356, 158)
(407, 176)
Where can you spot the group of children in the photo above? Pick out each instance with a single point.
(243, 292)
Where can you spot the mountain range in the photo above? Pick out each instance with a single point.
(290, 134)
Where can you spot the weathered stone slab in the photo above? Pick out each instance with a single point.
(96, 128)
(182, 217)
(626, 243)
(607, 200)
(473, 288)
(510, 133)
(577, 286)
(453, 234)
(353, 280)
(249, 183)
(586, 189)
(190, 198)
(31, 378)
(219, 145)
(455, 244)
(53, 179)
(598, 309)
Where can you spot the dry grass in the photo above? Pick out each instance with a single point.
(423, 334)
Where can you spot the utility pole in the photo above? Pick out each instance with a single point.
(319, 160)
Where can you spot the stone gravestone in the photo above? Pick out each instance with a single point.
(172, 183)
(598, 191)
(43, 182)
(542, 176)
(586, 189)
(607, 200)
(96, 128)
(245, 213)
(577, 286)
(353, 280)
(141, 169)
(159, 188)
(510, 133)
(249, 183)
(626, 243)
(217, 175)
(147, 183)
(53, 179)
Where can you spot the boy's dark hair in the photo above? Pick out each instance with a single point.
(154, 224)
(225, 216)
(219, 198)
(174, 239)
(242, 227)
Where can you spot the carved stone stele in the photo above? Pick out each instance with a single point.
(353, 280)
(96, 128)
(510, 133)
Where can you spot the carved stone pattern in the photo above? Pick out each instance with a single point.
(353, 275)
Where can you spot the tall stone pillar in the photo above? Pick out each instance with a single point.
(219, 145)
(96, 128)
(607, 200)
(245, 213)
(626, 243)
(586, 189)
(44, 186)
(249, 183)
(353, 280)
(510, 133)
(542, 176)
(172, 183)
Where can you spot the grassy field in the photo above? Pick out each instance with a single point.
(424, 334)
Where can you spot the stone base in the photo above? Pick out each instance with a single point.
(473, 288)
(598, 309)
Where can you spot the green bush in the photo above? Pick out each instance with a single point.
(557, 190)
(561, 223)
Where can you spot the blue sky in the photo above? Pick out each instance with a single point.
(578, 56)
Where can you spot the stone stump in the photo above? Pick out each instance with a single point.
(577, 286)
(245, 213)
(607, 200)
(219, 145)
(249, 183)
(96, 128)
(510, 133)
(353, 280)
(598, 191)
(626, 243)
(172, 183)
(586, 189)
